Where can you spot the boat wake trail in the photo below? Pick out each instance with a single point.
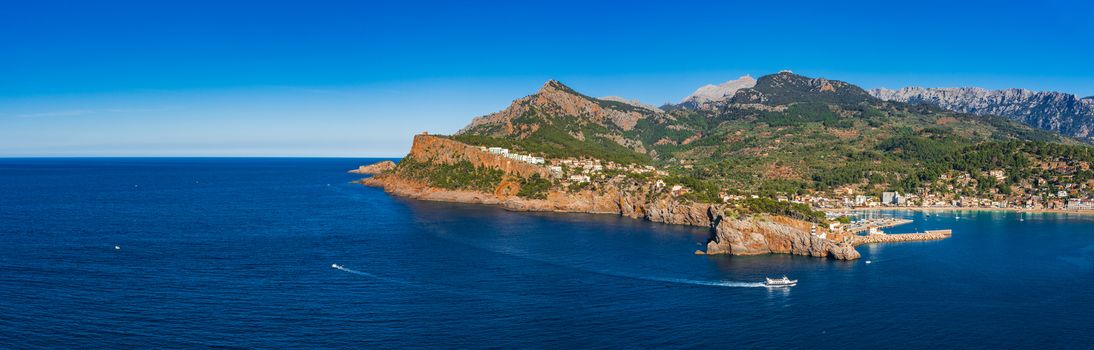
(521, 254)
(426, 287)
(366, 274)
(735, 284)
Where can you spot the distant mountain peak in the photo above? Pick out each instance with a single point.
(632, 102)
(555, 86)
(558, 111)
(787, 87)
(720, 92)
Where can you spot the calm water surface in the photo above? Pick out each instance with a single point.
(238, 253)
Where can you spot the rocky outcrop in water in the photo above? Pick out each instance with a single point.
(765, 235)
(374, 168)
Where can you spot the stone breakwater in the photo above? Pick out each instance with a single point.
(866, 224)
(930, 235)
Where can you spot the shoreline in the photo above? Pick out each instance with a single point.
(938, 209)
(728, 235)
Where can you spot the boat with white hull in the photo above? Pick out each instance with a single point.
(780, 282)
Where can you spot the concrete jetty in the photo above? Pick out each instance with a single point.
(929, 235)
(866, 224)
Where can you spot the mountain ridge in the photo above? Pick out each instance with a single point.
(715, 93)
(788, 132)
(1055, 111)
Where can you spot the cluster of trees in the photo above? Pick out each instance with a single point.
(935, 157)
(461, 175)
(783, 88)
(552, 141)
(793, 210)
(701, 190)
(534, 187)
(800, 113)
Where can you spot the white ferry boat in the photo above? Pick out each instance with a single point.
(780, 282)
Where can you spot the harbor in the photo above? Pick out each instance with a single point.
(869, 231)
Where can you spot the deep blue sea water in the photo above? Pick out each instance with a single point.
(238, 253)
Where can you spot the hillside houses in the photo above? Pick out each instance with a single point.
(514, 156)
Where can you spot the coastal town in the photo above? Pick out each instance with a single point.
(857, 231)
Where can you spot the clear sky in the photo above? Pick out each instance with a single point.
(358, 78)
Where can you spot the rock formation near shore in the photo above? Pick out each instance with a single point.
(374, 168)
(766, 235)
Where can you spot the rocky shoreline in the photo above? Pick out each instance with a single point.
(737, 236)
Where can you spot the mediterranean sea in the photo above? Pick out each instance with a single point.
(238, 252)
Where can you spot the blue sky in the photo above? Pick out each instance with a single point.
(358, 78)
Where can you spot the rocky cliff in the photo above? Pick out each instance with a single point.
(769, 234)
(375, 168)
(1055, 111)
(717, 93)
(442, 150)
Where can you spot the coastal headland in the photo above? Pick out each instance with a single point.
(733, 232)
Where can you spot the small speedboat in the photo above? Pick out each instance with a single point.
(780, 282)
(335, 266)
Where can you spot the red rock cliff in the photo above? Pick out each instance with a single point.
(437, 149)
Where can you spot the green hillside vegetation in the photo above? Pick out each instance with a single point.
(794, 135)
(460, 176)
(554, 139)
(792, 210)
(534, 187)
(787, 88)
